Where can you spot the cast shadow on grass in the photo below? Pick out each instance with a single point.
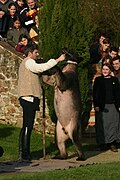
(90, 150)
(6, 131)
(12, 166)
(49, 151)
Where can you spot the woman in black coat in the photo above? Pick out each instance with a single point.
(106, 99)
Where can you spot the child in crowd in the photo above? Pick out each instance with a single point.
(14, 33)
(34, 31)
(23, 42)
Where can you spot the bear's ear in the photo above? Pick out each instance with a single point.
(69, 55)
(64, 50)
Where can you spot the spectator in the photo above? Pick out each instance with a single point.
(34, 31)
(28, 13)
(104, 49)
(106, 98)
(23, 42)
(119, 51)
(3, 24)
(108, 61)
(96, 49)
(113, 52)
(11, 14)
(116, 66)
(14, 33)
(20, 4)
(4, 4)
(29, 92)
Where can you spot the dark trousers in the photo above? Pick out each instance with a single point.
(29, 111)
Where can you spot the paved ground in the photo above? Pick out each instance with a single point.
(93, 157)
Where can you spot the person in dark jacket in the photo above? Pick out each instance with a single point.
(113, 52)
(116, 67)
(20, 4)
(3, 24)
(28, 13)
(106, 99)
(99, 50)
(11, 14)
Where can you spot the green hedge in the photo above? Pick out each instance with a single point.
(63, 25)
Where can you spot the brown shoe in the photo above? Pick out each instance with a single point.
(113, 148)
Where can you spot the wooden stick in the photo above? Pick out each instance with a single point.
(43, 123)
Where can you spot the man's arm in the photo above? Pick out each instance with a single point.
(39, 68)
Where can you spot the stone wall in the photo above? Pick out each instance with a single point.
(10, 110)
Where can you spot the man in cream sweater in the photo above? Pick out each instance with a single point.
(29, 92)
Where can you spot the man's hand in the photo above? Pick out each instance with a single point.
(61, 58)
(1, 13)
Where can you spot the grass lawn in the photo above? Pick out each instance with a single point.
(9, 142)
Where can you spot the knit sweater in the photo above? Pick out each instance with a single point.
(28, 81)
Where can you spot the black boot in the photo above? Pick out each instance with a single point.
(20, 145)
(24, 145)
(113, 147)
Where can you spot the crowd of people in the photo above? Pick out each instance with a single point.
(106, 93)
(19, 18)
